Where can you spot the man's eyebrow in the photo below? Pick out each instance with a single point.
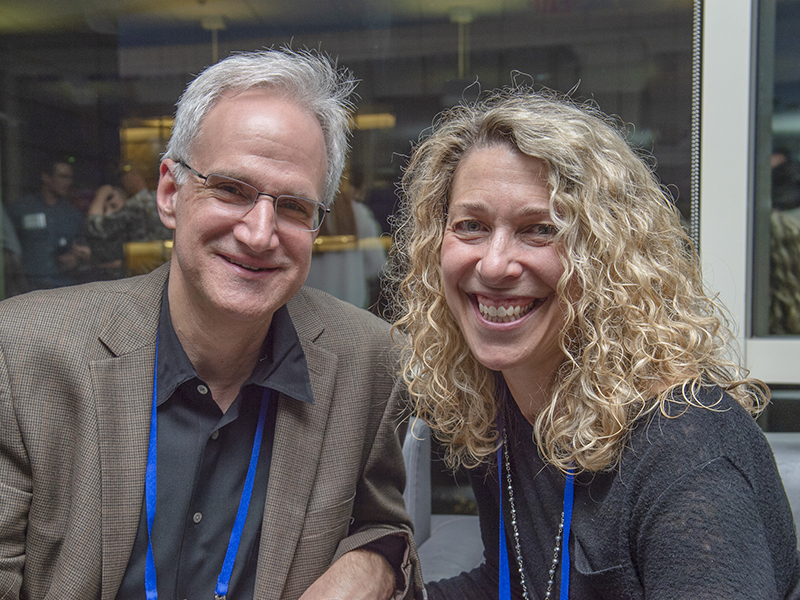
(246, 179)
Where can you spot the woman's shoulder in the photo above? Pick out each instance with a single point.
(695, 427)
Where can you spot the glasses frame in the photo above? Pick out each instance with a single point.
(324, 209)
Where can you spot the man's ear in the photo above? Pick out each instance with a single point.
(167, 193)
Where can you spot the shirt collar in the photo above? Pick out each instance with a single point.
(282, 366)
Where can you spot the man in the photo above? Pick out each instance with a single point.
(49, 230)
(261, 459)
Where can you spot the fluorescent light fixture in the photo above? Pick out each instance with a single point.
(375, 121)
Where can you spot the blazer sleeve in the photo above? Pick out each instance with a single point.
(379, 509)
(15, 491)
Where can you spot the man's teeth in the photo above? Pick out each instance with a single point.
(244, 266)
(504, 314)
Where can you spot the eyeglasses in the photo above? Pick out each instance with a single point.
(239, 197)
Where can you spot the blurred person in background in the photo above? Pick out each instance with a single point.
(350, 270)
(50, 230)
(112, 220)
(140, 197)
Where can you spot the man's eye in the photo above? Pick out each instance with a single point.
(294, 205)
(231, 191)
(230, 188)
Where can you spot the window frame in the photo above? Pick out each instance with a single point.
(727, 181)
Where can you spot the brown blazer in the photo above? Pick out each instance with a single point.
(76, 373)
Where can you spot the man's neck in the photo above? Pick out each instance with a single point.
(223, 352)
(50, 198)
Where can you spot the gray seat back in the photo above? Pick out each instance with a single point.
(417, 495)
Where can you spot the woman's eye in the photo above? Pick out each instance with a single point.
(468, 227)
(545, 229)
(541, 233)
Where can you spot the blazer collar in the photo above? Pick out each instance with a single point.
(133, 321)
(308, 319)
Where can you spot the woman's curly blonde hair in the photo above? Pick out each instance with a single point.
(640, 324)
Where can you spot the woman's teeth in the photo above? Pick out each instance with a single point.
(504, 314)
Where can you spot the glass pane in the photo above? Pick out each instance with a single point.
(776, 273)
(92, 86)
(95, 88)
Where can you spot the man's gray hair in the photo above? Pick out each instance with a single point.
(308, 77)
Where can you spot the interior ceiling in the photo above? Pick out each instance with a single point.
(43, 15)
(107, 16)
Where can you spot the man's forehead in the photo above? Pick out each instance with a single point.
(256, 125)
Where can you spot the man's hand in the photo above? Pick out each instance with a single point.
(357, 575)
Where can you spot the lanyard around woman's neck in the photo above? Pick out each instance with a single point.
(504, 575)
(151, 587)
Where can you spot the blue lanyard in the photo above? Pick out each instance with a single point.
(224, 578)
(504, 575)
(568, 497)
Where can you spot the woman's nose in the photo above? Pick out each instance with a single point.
(500, 259)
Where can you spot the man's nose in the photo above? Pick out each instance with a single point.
(258, 228)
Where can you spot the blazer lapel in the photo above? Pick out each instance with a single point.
(123, 412)
(122, 385)
(299, 433)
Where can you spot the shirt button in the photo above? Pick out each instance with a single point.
(215, 435)
(197, 517)
(202, 389)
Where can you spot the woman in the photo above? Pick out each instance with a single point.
(350, 269)
(111, 222)
(557, 328)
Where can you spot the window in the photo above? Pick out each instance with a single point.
(97, 88)
(776, 272)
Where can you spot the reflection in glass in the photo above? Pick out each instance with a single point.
(776, 272)
(100, 85)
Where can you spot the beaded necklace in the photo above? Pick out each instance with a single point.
(563, 534)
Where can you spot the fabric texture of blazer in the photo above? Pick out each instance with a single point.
(76, 374)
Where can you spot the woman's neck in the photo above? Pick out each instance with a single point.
(531, 389)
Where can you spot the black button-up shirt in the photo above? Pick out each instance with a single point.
(203, 456)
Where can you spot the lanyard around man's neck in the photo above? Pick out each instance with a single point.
(151, 587)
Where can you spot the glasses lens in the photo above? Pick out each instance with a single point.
(230, 194)
(299, 213)
(239, 197)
